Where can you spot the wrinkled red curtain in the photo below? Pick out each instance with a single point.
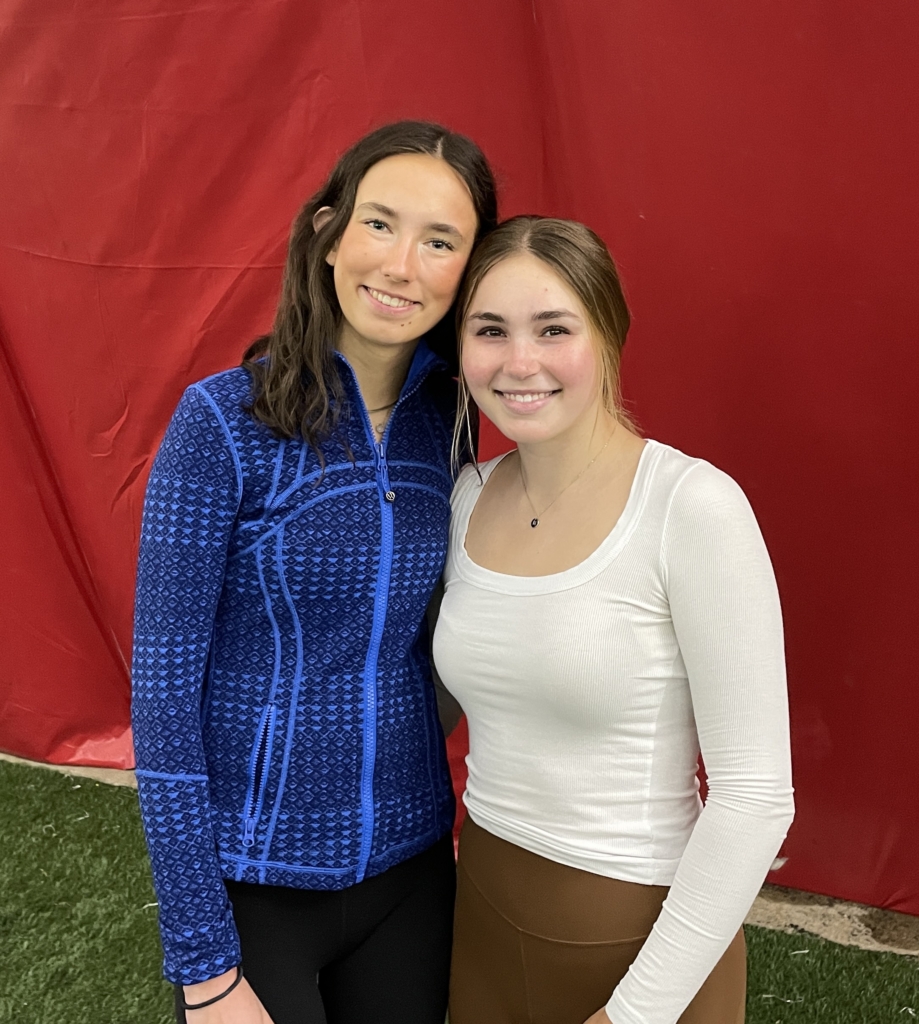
(753, 169)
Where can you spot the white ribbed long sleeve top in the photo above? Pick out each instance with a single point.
(589, 693)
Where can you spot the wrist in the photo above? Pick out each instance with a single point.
(201, 991)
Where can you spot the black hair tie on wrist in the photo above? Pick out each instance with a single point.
(216, 999)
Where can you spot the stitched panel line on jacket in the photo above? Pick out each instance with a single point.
(294, 697)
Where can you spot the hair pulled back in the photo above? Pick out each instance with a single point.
(581, 259)
(296, 390)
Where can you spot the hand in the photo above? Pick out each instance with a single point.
(241, 1006)
(599, 1017)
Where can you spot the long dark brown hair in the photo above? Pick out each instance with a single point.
(581, 259)
(295, 388)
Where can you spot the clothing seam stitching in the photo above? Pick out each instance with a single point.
(147, 773)
(666, 523)
(351, 489)
(294, 697)
(535, 935)
(276, 475)
(232, 444)
(275, 629)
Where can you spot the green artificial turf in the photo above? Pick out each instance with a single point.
(800, 979)
(78, 939)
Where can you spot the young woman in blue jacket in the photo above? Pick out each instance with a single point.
(293, 781)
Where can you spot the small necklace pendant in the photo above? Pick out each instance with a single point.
(534, 523)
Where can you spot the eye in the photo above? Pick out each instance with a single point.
(442, 245)
(554, 330)
(376, 224)
(489, 332)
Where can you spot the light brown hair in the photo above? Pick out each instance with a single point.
(581, 259)
(296, 390)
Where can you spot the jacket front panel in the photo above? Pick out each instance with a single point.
(314, 756)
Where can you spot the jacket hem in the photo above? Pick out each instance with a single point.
(300, 876)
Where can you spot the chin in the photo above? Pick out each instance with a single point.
(394, 339)
(521, 433)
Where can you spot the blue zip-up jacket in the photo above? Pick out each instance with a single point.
(285, 722)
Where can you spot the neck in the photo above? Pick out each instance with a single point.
(380, 369)
(550, 466)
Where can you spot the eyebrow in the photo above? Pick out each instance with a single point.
(441, 229)
(545, 314)
(555, 314)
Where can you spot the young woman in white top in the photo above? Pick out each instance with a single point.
(610, 609)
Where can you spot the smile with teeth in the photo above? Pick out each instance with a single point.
(390, 300)
(531, 396)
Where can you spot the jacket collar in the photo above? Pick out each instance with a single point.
(424, 361)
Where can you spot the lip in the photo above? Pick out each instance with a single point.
(382, 308)
(518, 408)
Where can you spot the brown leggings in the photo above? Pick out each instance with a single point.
(537, 942)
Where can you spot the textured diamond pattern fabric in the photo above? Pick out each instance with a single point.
(284, 717)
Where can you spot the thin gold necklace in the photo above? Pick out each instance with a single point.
(380, 427)
(534, 522)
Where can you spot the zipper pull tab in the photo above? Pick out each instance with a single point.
(388, 493)
(249, 834)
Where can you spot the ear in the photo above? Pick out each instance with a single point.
(320, 218)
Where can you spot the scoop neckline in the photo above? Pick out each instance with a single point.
(587, 568)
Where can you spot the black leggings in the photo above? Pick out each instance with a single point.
(378, 951)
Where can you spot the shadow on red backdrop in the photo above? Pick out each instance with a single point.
(750, 168)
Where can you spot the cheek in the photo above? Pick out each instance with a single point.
(352, 257)
(344, 288)
(443, 281)
(479, 367)
(576, 368)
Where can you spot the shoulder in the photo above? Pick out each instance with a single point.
(681, 479)
(699, 488)
(438, 394)
(702, 501)
(218, 404)
(470, 481)
(466, 486)
(441, 388)
(226, 391)
(203, 426)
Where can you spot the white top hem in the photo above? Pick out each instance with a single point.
(640, 869)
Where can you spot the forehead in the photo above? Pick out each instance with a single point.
(522, 283)
(416, 184)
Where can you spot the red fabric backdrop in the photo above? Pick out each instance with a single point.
(752, 167)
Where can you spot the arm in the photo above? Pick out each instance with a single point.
(190, 508)
(447, 705)
(725, 610)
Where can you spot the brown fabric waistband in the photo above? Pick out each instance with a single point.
(537, 942)
(552, 900)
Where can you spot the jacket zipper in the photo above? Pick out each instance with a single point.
(381, 604)
(258, 774)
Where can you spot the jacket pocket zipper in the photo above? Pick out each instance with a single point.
(258, 773)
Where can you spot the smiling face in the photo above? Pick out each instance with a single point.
(528, 354)
(398, 263)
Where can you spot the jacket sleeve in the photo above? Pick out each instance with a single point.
(725, 610)
(190, 508)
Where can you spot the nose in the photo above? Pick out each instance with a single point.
(400, 261)
(521, 359)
